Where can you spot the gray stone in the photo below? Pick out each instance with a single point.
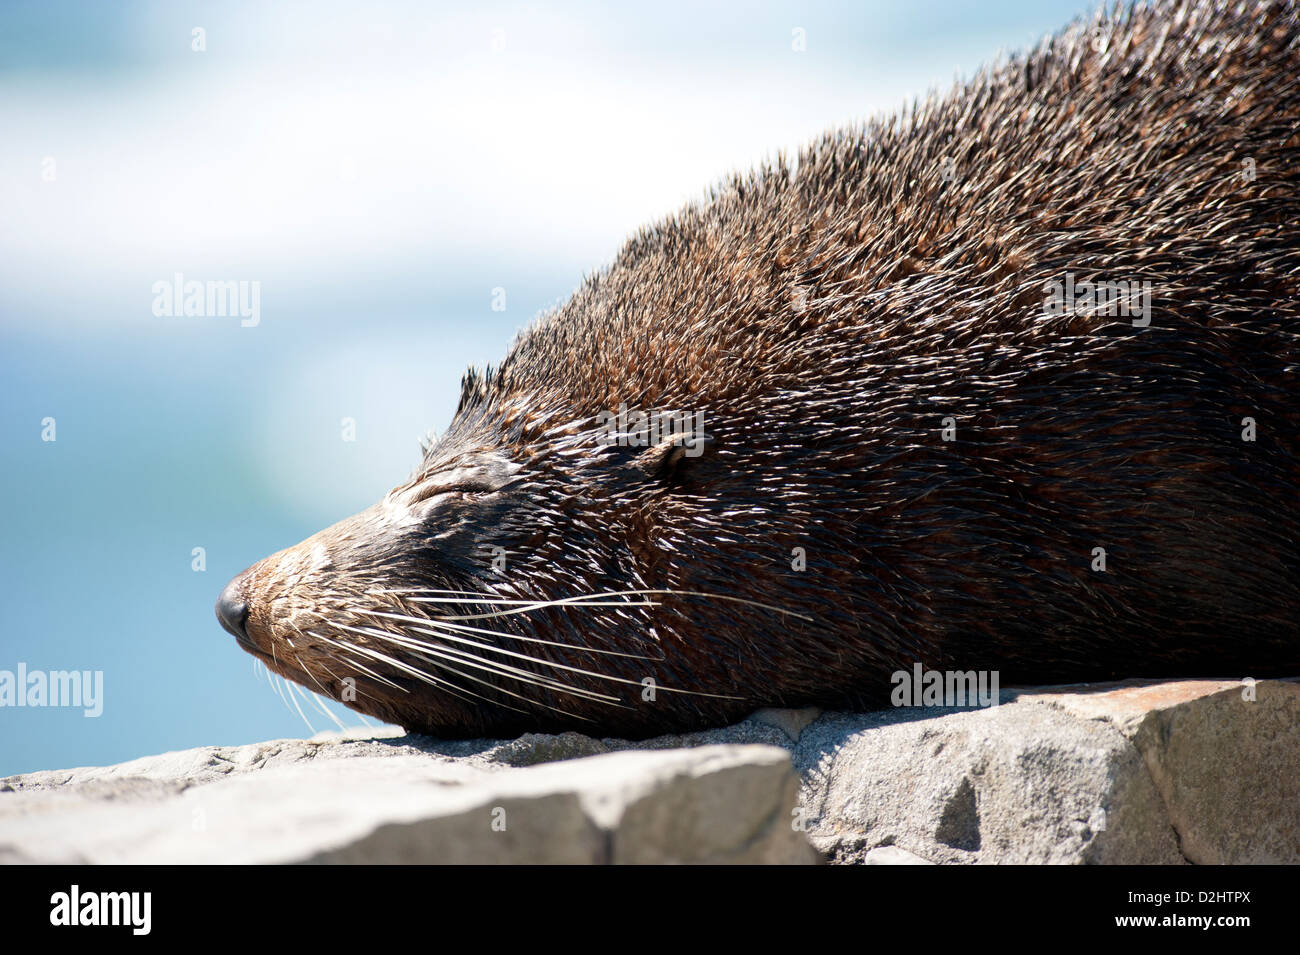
(1136, 773)
(1021, 784)
(892, 855)
(1223, 755)
(791, 722)
(1199, 771)
(369, 801)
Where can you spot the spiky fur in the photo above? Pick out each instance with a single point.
(827, 316)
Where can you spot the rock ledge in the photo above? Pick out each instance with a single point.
(1200, 771)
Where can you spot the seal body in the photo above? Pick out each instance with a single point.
(1006, 383)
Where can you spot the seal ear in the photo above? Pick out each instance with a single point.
(665, 460)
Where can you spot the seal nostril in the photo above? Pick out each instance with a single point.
(232, 609)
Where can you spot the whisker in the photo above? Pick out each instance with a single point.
(461, 596)
(515, 673)
(501, 689)
(708, 596)
(441, 631)
(398, 591)
(419, 674)
(360, 690)
(429, 678)
(438, 632)
(275, 683)
(293, 696)
(315, 698)
(492, 666)
(349, 648)
(561, 602)
(439, 625)
(367, 722)
(424, 621)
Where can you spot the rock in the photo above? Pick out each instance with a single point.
(1013, 783)
(1224, 756)
(1199, 771)
(1134, 773)
(790, 722)
(368, 801)
(892, 855)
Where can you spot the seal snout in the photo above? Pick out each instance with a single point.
(232, 609)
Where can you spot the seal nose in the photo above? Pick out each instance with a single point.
(232, 609)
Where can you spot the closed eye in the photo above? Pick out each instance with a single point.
(467, 490)
(468, 482)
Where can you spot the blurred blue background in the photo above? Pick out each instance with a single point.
(379, 169)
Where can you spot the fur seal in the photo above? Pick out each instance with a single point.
(1007, 382)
